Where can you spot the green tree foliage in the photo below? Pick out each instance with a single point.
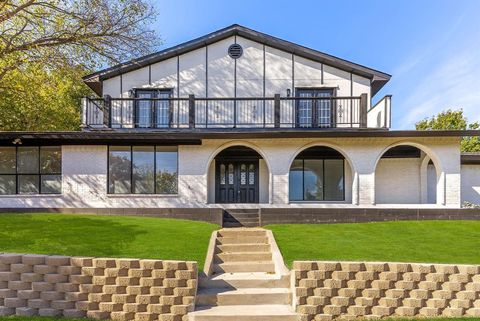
(46, 46)
(452, 120)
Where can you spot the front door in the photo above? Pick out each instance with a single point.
(236, 181)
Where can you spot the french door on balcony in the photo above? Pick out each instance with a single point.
(156, 114)
(236, 181)
(313, 111)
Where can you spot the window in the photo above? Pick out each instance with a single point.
(142, 170)
(317, 174)
(30, 170)
(153, 113)
(314, 112)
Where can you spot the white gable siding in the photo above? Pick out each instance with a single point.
(164, 74)
(192, 71)
(278, 72)
(221, 69)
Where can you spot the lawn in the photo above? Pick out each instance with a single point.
(403, 241)
(105, 236)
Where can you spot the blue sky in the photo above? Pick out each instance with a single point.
(430, 47)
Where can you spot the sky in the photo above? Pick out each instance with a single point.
(430, 47)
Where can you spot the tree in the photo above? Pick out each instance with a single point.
(47, 45)
(452, 120)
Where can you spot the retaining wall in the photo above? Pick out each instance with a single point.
(330, 290)
(99, 288)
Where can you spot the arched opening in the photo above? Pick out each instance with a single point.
(320, 174)
(238, 174)
(405, 174)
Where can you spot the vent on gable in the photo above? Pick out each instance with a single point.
(235, 51)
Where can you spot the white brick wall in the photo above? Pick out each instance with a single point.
(471, 183)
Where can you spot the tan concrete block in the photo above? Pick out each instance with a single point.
(298, 274)
(110, 306)
(453, 286)
(382, 311)
(467, 295)
(9, 276)
(310, 283)
(163, 274)
(123, 298)
(128, 263)
(69, 270)
(114, 289)
(151, 282)
(174, 265)
(161, 290)
(376, 266)
(127, 281)
(406, 285)
(86, 305)
(98, 315)
(74, 313)
(10, 258)
(413, 276)
(437, 303)
(367, 275)
(81, 261)
(406, 311)
(472, 287)
(341, 301)
(93, 271)
(140, 273)
(44, 269)
(103, 280)
(469, 269)
(38, 304)
(429, 285)
(192, 283)
(145, 316)
(326, 266)
(115, 272)
(170, 300)
(334, 310)
(457, 303)
(180, 309)
(453, 312)
(137, 289)
(62, 304)
(49, 312)
(400, 267)
(174, 283)
(43, 286)
(80, 279)
(99, 297)
(352, 266)
(182, 291)
(31, 277)
(158, 308)
(373, 293)
(382, 285)
(7, 293)
(349, 292)
(55, 278)
(335, 284)
(396, 293)
(414, 303)
(104, 263)
(151, 264)
(188, 300)
(317, 300)
(368, 302)
(57, 260)
(90, 288)
(443, 294)
(390, 302)
(389, 276)
(28, 294)
(305, 265)
(186, 274)
(134, 307)
(430, 312)
(52, 295)
(343, 275)
(4, 267)
(147, 299)
(358, 310)
(4, 311)
(323, 317)
(422, 268)
(318, 275)
(122, 316)
(21, 268)
(473, 312)
(476, 278)
(460, 278)
(14, 302)
(76, 296)
(26, 312)
(67, 287)
(358, 284)
(19, 285)
(446, 268)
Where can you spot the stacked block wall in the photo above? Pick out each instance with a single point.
(98, 288)
(348, 290)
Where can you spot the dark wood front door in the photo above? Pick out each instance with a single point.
(236, 181)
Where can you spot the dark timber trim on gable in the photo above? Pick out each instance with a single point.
(378, 78)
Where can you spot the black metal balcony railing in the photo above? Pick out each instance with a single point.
(193, 112)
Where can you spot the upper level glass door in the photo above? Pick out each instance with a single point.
(313, 111)
(153, 113)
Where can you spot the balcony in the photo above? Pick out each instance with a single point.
(225, 113)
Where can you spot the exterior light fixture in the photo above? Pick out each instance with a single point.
(17, 141)
(288, 92)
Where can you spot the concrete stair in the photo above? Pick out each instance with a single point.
(244, 284)
(241, 218)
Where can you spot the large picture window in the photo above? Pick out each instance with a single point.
(30, 170)
(317, 174)
(142, 170)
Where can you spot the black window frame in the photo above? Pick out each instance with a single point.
(39, 173)
(131, 170)
(156, 92)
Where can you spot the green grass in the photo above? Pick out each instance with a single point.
(105, 236)
(404, 241)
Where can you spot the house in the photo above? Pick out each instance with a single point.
(237, 119)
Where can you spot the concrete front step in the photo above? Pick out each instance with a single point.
(232, 267)
(245, 280)
(242, 240)
(241, 232)
(242, 257)
(270, 312)
(240, 224)
(247, 296)
(235, 248)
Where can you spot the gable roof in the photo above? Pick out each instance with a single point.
(378, 78)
